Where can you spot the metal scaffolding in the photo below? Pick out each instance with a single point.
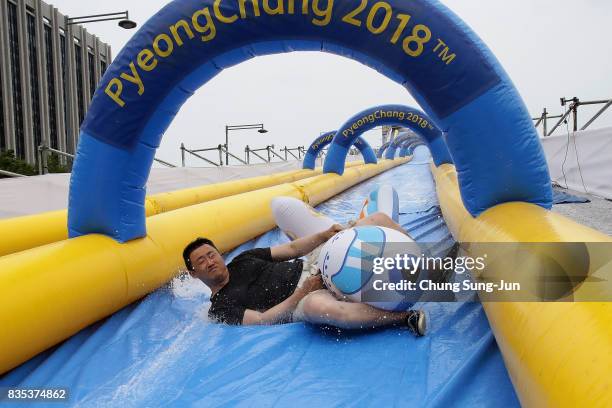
(572, 109)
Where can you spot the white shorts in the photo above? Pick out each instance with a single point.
(310, 268)
(311, 261)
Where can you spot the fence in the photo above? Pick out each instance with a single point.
(248, 154)
(572, 109)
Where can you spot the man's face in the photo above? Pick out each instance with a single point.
(208, 265)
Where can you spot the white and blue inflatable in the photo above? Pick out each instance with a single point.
(384, 199)
(348, 261)
(297, 219)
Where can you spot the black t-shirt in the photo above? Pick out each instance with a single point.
(256, 282)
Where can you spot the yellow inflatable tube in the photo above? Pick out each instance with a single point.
(40, 229)
(558, 354)
(51, 292)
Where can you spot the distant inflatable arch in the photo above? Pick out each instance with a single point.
(385, 146)
(420, 44)
(407, 149)
(382, 149)
(325, 139)
(399, 141)
(386, 115)
(403, 148)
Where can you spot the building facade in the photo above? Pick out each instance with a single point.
(49, 71)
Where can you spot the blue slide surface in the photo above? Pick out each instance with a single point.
(163, 351)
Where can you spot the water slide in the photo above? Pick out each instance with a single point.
(492, 183)
(163, 351)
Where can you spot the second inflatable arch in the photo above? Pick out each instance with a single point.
(325, 139)
(385, 115)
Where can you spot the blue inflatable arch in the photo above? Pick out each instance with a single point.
(407, 149)
(397, 142)
(419, 43)
(406, 144)
(381, 150)
(325, 139)
(385, 115)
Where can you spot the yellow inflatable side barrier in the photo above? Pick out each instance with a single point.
(558, 354)
(49, 293)
(35, 230)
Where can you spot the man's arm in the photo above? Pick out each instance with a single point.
(304, 245)
(281, 313)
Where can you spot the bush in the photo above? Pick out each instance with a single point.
(54, 165)
(9, 162)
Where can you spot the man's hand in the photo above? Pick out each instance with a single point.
(304, 245)
(331, 231)
(312, 283)
(281, 313)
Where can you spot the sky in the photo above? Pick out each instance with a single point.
(550, 49)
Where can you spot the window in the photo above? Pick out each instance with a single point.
(92, 74)
(34, 81)
(103, 67)
(79, 79)
(53, 135)
(16, 81)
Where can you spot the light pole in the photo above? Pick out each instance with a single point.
(123, 16)
(124, 22)
(260, 129)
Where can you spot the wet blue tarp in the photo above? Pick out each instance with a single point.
(163, 351)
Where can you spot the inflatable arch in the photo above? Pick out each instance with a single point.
(381, 150)
(397, 142)
(381, 153)
(385, 115)
(420, 44)
(404, 145)
(407, 149)
(325, 139)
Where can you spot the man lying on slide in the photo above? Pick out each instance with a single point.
(260, 287)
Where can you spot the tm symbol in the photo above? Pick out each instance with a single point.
(444, 53)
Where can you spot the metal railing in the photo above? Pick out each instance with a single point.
(221, 149)
(43, 158)
(165, 163)
(196, 151)
(11, 174)
(268, 149)
(270, 152)
(248, 151)
(228, 154)
(300, 151)
(573, 105)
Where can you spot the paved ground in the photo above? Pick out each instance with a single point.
(597, 214)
